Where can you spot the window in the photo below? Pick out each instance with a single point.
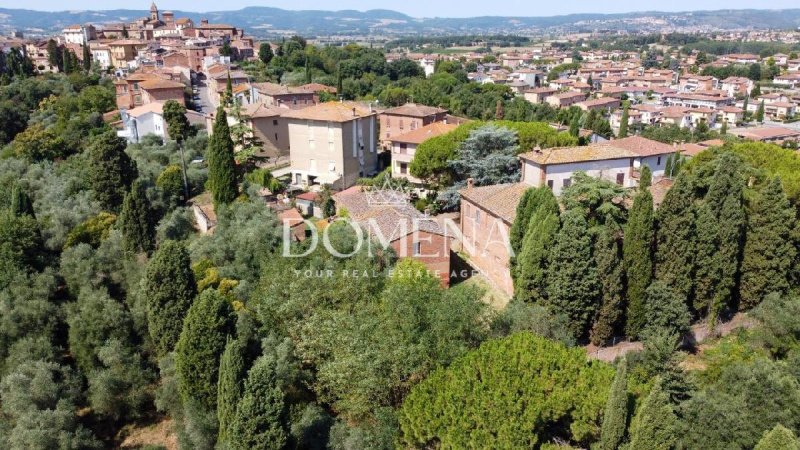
(276, 136)
(550, 184)
(332, 166)
(403, 168)
(567, 182)
(275, 122)
(620, 179)
(477, 216)
(658, 161)
(417, 248)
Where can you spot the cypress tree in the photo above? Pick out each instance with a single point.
(623, 123)
(668, 166)
(574, 126)
(229, 90)
(87, 58)
(21, 204)
(615, 418)
(111, 170)
(230, 388)
(654, 427)
(205, 331)
(261, 415)
(675, 238)
(779, 438)
(67, 60)
(221, 163)
(744, 107)
(768, 250)
(637, 251)
(531, 201)
(136, 220)
(724, 130)
(572, 276)
(720, 226)
(530, 284)
(760, 112)
(610, 272)
(170, 288)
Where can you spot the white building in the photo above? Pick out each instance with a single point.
(79, 34)
(617, 161)
(149, 119)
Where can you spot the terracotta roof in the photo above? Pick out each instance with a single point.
(414, 110)
(309, 196)
(421, 135)
(692, 149)
(331, 111)
(643, 146)
(160, 84)
(565, 155)
(659, 190)
(759, 133)
(385, 212)
(277, 89)
(500, 200)
(260, 110)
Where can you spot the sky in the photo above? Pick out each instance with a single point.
(420, 8)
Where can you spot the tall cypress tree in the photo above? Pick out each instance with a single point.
(136, 220)
(675, 238)
(260, 422)
(21, 204)
(637, 251)
(572, 276)
(768, 249)
(760, 112)
(221, 163)
(170, 288)
(111, 170)
(654, 427)
(615, 418)
(623, 123)
(720, 226)
(205, 332)
(611, 274)
(531, 201)
(87, 58)
(531, 282)
(230, 387)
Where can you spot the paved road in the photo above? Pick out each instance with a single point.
(206, 103)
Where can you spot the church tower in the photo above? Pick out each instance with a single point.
(153, 12)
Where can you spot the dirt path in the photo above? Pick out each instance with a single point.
(699, 333)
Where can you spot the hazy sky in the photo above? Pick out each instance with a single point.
(419, 8)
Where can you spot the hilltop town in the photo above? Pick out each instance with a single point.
(553, 240)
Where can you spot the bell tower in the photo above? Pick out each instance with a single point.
(153, 12)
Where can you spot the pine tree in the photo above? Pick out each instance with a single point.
(615, 418)
(265, 53)
(623, 123)
(610, 272)
(720, 226)
(779, 438)
(230, 387)
(205, 332)
(654, 427)
(768, 250)
(637, 251)
(170, 289)
(260, 422)
(221, 163)
(572, 285)
(675, 237)
(136, 220)
(111, 170)
(530, 284)
(21, 204)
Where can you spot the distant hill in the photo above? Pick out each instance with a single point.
(264, 21)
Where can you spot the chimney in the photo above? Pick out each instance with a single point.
(354, 112)
(203, 22)
(470, 183)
